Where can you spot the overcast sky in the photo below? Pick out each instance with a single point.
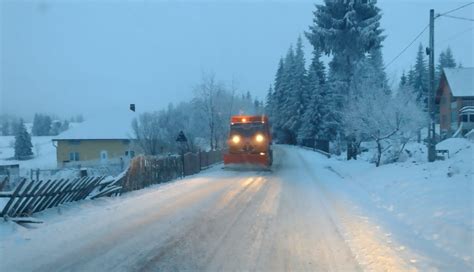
(70, 57)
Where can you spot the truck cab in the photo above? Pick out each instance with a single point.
(249, 141)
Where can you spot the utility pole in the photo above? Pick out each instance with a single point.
(430, 96)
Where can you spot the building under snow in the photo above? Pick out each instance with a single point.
(455, 97)
(97, 141)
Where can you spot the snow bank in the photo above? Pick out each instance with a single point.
(431, 202)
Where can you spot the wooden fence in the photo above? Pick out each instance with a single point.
(34, 196)
(3, 182)
(148, 170)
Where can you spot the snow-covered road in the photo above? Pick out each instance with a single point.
(293, 218)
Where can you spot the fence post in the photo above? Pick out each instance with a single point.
(182, 160)
(199, 156)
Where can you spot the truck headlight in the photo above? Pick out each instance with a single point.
(259, 138)
(236, 139)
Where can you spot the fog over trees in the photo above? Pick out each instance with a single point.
(204, 119)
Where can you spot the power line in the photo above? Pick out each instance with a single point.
(456, 17)
(408, 46)
(453, 10)
(424, 29)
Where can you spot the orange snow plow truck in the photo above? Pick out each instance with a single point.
(249, 141)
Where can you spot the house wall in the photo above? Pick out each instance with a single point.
(90, 150)
(445, 109)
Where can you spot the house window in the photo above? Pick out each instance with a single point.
(104, 155)
(464, 118)
(74, 156)
(130, 154)
(471, 118)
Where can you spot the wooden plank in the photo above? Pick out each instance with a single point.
(3, 183)
(76, 191)
(92, 186)
(74, 183)
(108, 191)
(43, 197)
(25, 220)
(79, 190)
(55, 194)
(88, 187)
(21, 199)
(96, 184)
(59, 200)
(58, 194)
(49, 195)
(12, 198)
(30, 206)
(23, 208)
(69, 190)
(6, 194)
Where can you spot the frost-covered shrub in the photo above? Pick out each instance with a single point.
(390, 121)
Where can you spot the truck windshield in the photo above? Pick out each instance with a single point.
(247, 130)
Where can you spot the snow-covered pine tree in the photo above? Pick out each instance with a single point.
(278, 98)
(345, 30)
(5, 128)
(269, 103)
(411, 76)
(23, 144)
(295, 106)
(445, 60)
(420, 80)
(283, 98)
(369, 73)
(378, 68)
(42, 125)
(36, 130)
(403, 80)
(315, 110)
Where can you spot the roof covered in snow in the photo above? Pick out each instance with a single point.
(460, 81)
(102, 127)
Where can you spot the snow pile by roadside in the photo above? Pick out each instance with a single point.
(412, 152)
(433, 200)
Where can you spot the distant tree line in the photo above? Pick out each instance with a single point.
(350, 101)
(205, 120)
(43, 125)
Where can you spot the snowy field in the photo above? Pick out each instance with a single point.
(44, 153)
(43, 150)
(310, 213)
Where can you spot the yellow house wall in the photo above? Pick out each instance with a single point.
(89, 150)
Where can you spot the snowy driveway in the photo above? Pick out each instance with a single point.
(219, 220)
